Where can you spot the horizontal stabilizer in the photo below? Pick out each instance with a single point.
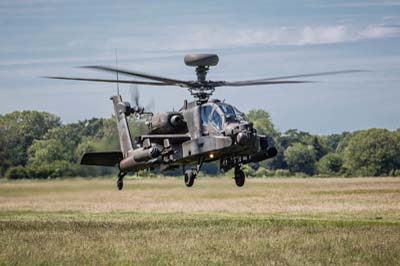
(102, 158)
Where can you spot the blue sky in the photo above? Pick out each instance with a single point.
(261, 39)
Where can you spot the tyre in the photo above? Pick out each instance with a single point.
(239, 178)
(189, 178)
(120, 183)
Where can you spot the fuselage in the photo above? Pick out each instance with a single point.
(209, 131)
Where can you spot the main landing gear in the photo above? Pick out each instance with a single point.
(190, 174)
(228, 163)
(120, 180)
(239, 176)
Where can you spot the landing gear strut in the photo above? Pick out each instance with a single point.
(239, 176)
(190, 174)
(120, 180)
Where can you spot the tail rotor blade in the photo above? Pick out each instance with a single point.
(134, 93)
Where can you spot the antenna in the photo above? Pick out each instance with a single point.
(116, 64)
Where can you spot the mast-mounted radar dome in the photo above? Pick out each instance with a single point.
(197, 60)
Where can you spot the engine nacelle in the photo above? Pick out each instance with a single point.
(168, 123)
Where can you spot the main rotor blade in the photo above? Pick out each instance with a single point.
(170, 81)
(115, 81)
(308, 75)
(256, 82)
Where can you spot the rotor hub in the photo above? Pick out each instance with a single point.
(201, 72)
(201, 93)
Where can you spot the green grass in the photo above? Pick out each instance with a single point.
(192, 239)
(155, 222)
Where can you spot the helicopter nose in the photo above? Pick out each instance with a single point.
(242, 138)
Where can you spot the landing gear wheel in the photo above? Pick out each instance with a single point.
(189, 178)
(120, 183)
(239, 178)
(120, 180)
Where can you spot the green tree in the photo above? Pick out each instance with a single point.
(101, 134)
(248, 171)
(397, 133)
(372, 152)
(68, 136)
(301, 158)
(344, 142)
(285, 140)
(293, 136)
(333, 140)
(16, 172)
(330, 164)
(46, 152)
(137, 127)
(18, 130)
(261, 120)
(87, 144)
(263, 124)
(320, 146)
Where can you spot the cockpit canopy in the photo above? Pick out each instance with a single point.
(218, 113)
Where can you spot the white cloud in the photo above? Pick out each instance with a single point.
(365, 3)
(320, 35)
(172, 42)
(204, 38)
(379, 31)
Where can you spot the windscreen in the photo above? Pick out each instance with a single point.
(231, 113)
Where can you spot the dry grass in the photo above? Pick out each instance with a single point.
(289, 221)
(358, 197)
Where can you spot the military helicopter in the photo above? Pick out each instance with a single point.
(202, 131)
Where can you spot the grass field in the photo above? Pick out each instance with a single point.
(292, 221)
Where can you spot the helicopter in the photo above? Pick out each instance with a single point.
(203, 130)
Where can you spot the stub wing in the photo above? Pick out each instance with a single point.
(102, 158)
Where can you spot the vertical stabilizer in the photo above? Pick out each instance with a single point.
(125, 140)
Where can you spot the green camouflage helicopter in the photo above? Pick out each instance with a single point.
(202, 131)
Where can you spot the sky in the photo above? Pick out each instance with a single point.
(253, 39)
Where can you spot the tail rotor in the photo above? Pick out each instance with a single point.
(136, 107)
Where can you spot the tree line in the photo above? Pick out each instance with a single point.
(37, 145)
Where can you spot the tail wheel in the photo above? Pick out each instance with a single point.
(120, 183)
(189, 178)
(120, 180)
(239, 178)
